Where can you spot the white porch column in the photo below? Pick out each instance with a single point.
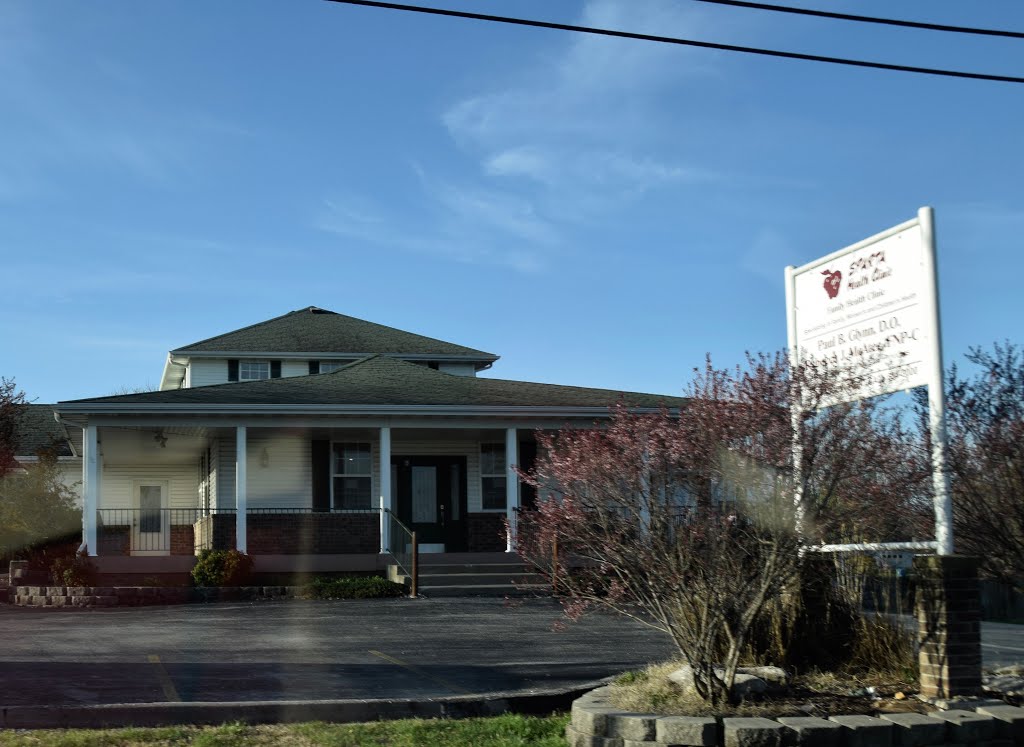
(511, 485)
(241, 503)
(91, 488)
(385, 488)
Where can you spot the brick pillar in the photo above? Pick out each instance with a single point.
(949, 625)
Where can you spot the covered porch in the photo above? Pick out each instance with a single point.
(306, 494)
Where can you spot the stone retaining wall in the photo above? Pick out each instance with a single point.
(597, 723)
(140, 596)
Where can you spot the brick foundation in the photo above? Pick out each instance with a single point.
(114, 539)
(294, 534)
(486, 532)
(949, 625)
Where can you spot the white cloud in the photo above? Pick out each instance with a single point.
(470, 230)
(589, 123)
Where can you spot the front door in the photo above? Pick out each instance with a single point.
(151, 531)
(430, 497)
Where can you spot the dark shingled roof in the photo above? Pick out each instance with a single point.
(316, 330)
(38, 430)
(382, 380)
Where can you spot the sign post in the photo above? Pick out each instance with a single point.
(873, 308)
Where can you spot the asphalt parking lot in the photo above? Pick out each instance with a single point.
(312, 651)
(306, 650)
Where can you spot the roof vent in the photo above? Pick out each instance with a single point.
(318, 310)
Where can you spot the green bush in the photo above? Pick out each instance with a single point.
(361, 587)
(73, 570)
(222, 568)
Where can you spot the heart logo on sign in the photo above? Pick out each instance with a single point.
(832, 281)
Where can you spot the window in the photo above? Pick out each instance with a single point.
(253, 370)
(351, 476)
(493, 479)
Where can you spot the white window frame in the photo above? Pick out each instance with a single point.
(245, 370)
(502, 474)
(335, 474)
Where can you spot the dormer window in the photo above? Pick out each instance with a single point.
(253, 370)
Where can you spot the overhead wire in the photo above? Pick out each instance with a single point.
(683, 42)
(868, 19)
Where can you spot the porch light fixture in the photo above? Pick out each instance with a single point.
(161, 439)
(264, 457)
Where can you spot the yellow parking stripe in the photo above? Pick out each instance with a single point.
(165, 682)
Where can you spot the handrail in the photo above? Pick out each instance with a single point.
(404, 548)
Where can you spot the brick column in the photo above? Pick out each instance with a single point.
(949, 625)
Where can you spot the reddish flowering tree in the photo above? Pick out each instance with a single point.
(684, 519)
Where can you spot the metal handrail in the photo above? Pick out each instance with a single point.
(406, 558)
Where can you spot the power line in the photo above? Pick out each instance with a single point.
(683, 42)
(868, 19)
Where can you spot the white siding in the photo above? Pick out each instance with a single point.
(71, 476)
(294, 368)
(286, 482)
(117, 480)
(206, 371)
(459, 369)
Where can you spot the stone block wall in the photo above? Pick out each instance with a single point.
(595, 721)
(486, 532)
(143, 596)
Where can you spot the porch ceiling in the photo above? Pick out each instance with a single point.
(152, 445)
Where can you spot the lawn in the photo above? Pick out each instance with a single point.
(500, 731)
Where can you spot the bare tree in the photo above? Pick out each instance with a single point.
(12, 403)
(985, 422)
(684, 519)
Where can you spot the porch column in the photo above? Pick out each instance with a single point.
(241, 503)
(385, 488)
(511, 486)
(91, 488)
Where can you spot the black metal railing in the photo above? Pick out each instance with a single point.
(123, 531)
(404, 548)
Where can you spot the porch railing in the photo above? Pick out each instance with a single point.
(121, 531)
(183, 531)
(404, 548)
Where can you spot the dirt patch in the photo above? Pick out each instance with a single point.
(815, 694)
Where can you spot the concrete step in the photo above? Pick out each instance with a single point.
(428, 567)
(477, 579)
(483, 590)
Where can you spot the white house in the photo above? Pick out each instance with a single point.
(312, 441)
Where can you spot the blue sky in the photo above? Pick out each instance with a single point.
(598, 212)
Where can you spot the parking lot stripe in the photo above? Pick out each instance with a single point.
(416, 670)
(165, 682)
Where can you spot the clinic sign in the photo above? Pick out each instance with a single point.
(868, 310)
(872, 310)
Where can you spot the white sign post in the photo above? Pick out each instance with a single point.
(873, 308)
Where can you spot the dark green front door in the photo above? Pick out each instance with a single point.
(431, 498)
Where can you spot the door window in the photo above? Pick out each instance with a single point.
(424, 495)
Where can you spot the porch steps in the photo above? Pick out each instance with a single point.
(479, 579)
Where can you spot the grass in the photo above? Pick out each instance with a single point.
(499, 731)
